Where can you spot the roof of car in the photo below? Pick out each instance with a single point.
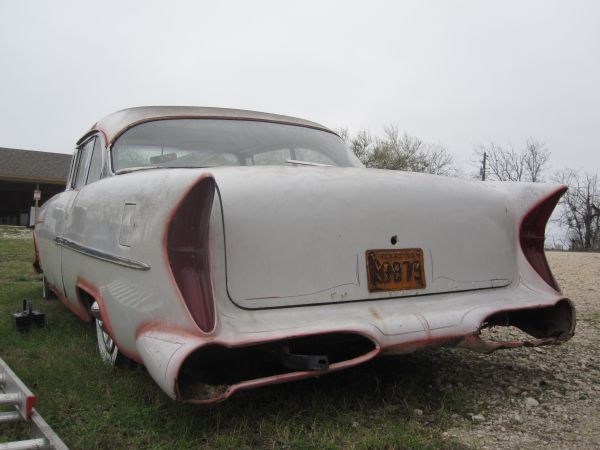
(113, 125)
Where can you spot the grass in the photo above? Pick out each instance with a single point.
(93, 406)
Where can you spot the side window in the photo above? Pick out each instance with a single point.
(83, 163)
(71, 179)
(96, 164)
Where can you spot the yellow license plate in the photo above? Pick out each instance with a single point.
(395, 269)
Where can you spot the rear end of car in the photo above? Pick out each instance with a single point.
(293, 272)
(218, 275)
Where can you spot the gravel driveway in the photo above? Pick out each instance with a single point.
(546, 397)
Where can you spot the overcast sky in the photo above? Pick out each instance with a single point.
(453, 72)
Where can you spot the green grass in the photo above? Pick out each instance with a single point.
(92, 406)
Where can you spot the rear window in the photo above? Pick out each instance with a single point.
(210, 143)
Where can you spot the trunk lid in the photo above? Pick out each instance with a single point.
(299, 235)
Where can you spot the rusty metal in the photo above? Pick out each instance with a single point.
(476, 343)
(395, 269)
(299, 362)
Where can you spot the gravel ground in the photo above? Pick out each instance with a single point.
(545, 397)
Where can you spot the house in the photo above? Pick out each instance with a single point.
(24, 171)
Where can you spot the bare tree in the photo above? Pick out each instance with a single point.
(502, 164)
(439, 161)
(580, 209)
(508, 164)
(397, 151)
(536, 157)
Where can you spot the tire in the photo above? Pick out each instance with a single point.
(108, 350)
(47, 293)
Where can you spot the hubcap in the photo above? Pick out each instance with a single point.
(109, 344)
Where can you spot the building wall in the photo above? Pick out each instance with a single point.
(16, 198)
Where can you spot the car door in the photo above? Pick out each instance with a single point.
(54, 222)
(89, 170)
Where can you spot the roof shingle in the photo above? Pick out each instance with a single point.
(15, 163)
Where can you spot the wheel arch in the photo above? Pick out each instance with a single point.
(87, 294)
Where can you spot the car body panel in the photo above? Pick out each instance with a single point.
(306, 247)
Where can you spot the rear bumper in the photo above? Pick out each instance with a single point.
(394, 326)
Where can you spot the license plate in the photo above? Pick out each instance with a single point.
(395, 269)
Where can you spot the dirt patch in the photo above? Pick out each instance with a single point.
(545, 397)
(10, 232)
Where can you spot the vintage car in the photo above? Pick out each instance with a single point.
(226, 249)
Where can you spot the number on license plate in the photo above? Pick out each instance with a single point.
(395, 269)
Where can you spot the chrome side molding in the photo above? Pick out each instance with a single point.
(98, 254)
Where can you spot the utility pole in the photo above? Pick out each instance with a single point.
(484, 168)
(37, 195)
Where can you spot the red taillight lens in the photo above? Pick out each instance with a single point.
(187, 248)
(532, 232)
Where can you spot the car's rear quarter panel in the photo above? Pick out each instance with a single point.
(131, 298)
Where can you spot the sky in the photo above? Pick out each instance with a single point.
(457, 73)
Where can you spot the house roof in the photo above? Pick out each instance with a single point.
(29, 165)
(116, 123)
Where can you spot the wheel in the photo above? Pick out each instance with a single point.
(47, 293)
(107, 349)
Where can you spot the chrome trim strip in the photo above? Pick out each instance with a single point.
(71, 245)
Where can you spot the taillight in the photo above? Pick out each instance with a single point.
(532, 232)
(187, 248)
